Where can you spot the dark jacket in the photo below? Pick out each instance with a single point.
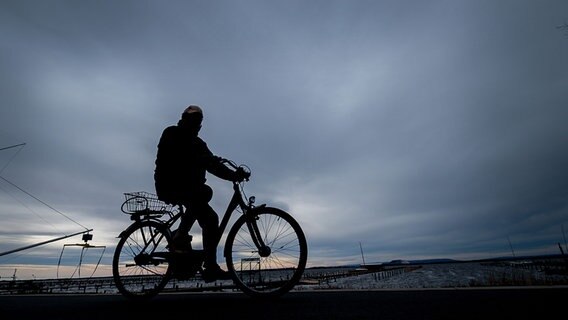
(182, 162)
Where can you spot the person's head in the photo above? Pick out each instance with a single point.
(191, 118)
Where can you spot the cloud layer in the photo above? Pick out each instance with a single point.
(421, 129)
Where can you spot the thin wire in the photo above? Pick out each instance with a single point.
(15, 154)
(30, 209)
(21, 145)
(242, 187)
(44, 203)
(10, 147)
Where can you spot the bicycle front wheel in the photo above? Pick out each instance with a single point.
(275, 268)
(140, 264)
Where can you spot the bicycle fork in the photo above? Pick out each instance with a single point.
(250, 212)
(263, 250)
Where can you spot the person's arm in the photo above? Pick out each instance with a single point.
(214, 165)
(217, 168)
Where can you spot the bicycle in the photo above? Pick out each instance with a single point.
(265, 249)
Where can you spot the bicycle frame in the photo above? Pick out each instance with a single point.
(237, 200)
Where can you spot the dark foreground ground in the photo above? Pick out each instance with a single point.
(499, 303)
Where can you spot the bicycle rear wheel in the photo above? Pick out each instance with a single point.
(140, 265)
(271, 271)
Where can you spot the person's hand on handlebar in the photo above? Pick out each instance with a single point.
(241, 174)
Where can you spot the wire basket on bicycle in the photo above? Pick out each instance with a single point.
(145, 203)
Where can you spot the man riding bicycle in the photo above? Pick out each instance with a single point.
(182, 161)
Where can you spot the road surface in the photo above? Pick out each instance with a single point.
(500, 303)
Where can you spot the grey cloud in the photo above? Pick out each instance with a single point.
(422, 129)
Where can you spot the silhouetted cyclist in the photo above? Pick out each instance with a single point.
(182, 161)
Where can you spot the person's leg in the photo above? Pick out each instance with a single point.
(181, 238)
(209, 222)
(185, 223)
(194, 199)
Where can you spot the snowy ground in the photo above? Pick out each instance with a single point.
(450, 275)
(443, 276)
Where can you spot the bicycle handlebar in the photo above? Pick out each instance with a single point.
(229, 162)
(233, 165)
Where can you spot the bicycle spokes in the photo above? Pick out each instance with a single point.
(268, 253)
(140, 263)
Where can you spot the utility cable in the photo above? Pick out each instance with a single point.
(45, 204)
(21, 145)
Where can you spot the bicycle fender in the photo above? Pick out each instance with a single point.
(130, 227)
(133, 226)
(252, 211)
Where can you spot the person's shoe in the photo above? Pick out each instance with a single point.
(181, 244)
(215, 272)
(180, 247)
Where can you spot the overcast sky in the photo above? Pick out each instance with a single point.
(420, 129)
